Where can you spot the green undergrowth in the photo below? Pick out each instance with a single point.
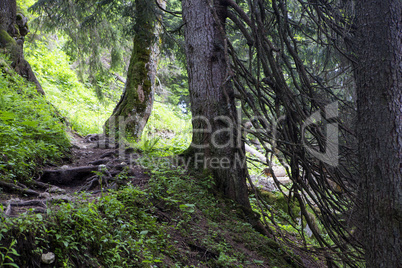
(167, 133)
(31, 133)
(81, 106)
(75, 101)
(178, 221)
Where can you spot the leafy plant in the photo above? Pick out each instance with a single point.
(5, 258)
(31, 133)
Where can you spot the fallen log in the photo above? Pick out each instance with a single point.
(256, 153)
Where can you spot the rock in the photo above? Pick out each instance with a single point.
(67, 176)
(44, 195)
(263, 183)
(284, 180)
(267, 183)
(60, 198)
(48, 258)
(56, 190)
(91, 138)
(279, 171)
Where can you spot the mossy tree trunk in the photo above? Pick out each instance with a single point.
(216, 143)
(13, 28)
(134, 108)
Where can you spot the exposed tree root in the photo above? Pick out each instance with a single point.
(39, 206)
(100, 179)
(17, 188)
(9, 204)
(67, 176)
(99, 171)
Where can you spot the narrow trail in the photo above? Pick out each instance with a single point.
(94, 167)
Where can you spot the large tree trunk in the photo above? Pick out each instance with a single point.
(216, 144)
(13, 28)
(135, 105)
(379, 92)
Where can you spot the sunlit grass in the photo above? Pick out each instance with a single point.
(78, 104)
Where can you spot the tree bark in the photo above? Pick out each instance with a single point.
(216, 143)
(379, 102)
(8, 11)
(135, 105)
(13, 28)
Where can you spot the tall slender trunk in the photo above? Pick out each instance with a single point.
(216, 144)
(379, 101)
(135, 105)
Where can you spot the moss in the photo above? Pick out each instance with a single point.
(280, 202)
(5, 67)
(6, 39)
(138, 89)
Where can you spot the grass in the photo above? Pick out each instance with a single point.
(168, 131)
(79, 104)
(31, 134)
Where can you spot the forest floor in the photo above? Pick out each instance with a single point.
(94, 167)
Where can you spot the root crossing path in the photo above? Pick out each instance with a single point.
(95, 167)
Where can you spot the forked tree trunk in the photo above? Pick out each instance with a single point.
(379, 97)
(135, 105)
(13, 28)
(216, 144)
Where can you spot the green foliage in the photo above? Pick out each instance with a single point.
(23, 5)
(74, 101)
(168, 131)
(116, 230)
(5, 258)
(30, 132)
(93, 31)
(173, 83)
(195, 202)
(144, 228)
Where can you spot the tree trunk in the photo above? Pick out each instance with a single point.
(379, 103)
(134, 108)
(13, 28)
(216, 144)
(8, 11)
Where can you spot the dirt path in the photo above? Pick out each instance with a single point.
(95, 166)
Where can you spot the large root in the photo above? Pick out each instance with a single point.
(38, 205)
(17, 188)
